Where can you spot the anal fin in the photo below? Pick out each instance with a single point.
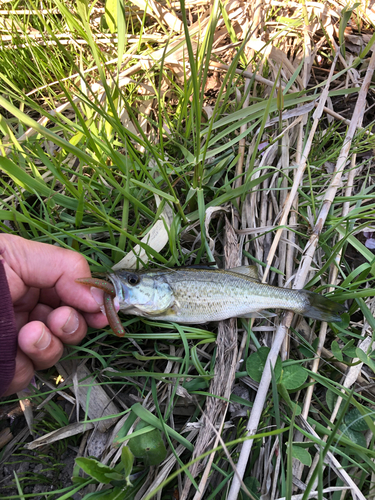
(262, 314)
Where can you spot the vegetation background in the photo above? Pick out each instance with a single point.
(150, 133)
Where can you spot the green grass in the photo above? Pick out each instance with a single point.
(91, 179)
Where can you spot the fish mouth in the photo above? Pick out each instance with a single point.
(122, 293)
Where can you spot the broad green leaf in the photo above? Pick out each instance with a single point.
(365, 359)
(127, 460)
(350, 349)
(96, 469)
(293, 376)
(294, 407)
(301, 454)
(256, 362)
(336, 350)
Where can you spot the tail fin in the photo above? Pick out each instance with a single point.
(322, 308)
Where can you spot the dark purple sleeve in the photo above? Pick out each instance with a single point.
(8, 334)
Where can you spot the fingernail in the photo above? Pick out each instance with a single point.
(116, 303)
(71, 324)
(44, 340)
(97, 295)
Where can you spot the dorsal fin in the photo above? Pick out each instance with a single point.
(249, 271)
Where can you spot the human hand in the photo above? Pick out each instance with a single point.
(50, 308)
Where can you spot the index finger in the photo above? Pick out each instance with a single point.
(42, 265)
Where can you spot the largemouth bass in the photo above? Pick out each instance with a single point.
(199, 295)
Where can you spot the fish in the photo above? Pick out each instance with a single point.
(197, 295)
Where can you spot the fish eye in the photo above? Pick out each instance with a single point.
(133, 279)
